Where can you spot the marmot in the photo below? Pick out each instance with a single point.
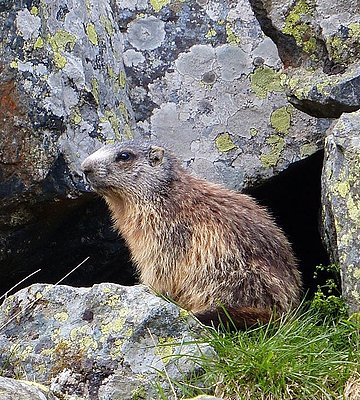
(206, 247)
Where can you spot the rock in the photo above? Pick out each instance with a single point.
(322, 95)
(104, 342)
(341, 203)
(62, 94)
(312, 32)
(210, 85)
(11, 389)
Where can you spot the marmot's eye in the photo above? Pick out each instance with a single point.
(123, 156)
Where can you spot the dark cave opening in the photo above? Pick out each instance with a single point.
(294, 199)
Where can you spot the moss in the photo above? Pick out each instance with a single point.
(224, 143)
(271, 158)
(265, 80)
(91, 34)
(157, 5)
(280, 119)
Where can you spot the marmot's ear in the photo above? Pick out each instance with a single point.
(156, 155)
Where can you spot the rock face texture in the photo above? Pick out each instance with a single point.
(341, 203)
(11, 389)
(104, 342)
(62, 93)
(204, 79)
(244, 92)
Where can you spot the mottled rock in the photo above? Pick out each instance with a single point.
(62, 94)
(213, 90)
(104, 342)
(313, 32)
(322, 95)
(11, 389)
(341, 203)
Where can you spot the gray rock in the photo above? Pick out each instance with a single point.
(62, 94)
(11, 389)
(341, 203)
(322, 95)
(212, 90)
(104, 342)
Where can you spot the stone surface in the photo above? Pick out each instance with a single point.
(62, 94)
(322, 95)
(341, 203)
(210, 84)
(104, 342)
(11, 389)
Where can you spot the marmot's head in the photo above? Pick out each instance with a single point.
(134, 168)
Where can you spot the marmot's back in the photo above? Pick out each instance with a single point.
(200, 244)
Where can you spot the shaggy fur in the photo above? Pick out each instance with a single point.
(202, 245)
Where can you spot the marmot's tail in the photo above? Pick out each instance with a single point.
(235, 318)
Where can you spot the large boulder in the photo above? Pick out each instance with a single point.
(62, 94)
(341, 203)
(205, 79)
(104, 342)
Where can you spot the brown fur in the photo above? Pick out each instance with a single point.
(202, 245)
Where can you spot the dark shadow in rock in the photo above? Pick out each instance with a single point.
(59, 237)
(294, 198)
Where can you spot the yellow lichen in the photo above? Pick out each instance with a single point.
(165, 348)
(280, 119)
(34, 11)
(61, 316)
(157, 5)
(307, 149)
(91, 33)
(122, 79)
(265, 80)
(108, 26)
(343, 188)
(210, 33)
(231, 36)
(271, 158)
(39, 43)
(95, 89)
(224, 142)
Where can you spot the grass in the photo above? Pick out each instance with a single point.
(302, 356)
